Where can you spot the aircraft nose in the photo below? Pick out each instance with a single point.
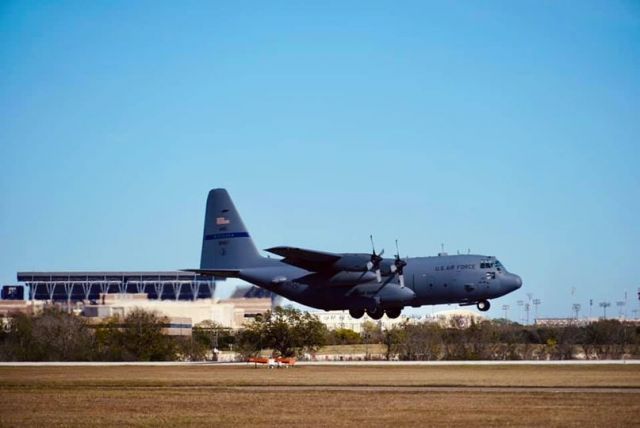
(513, 282)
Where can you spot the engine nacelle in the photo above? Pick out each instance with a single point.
(358, 263)
(393, 294)
(345, 278)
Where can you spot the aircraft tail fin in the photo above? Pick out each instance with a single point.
(226, 244)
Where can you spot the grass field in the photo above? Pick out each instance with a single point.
(321, 396)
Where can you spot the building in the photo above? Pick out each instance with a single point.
(12, 292)
(458, 318)
(183, 297)
(341, 319)
(87, 286)
(231, 313)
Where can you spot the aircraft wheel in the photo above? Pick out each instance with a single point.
(393, 313)
(375, 314)
(356, 313)
(483, 305)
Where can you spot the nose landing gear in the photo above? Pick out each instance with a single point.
(483, 305)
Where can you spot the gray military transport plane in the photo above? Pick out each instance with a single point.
(354, 281)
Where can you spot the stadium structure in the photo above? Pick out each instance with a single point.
(88, 286)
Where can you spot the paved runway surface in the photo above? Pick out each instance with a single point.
(321, 363)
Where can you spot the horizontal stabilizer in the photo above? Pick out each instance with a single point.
(218, 273)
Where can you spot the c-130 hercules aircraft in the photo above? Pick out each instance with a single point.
(357, 282)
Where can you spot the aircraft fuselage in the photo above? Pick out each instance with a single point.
(428, 281)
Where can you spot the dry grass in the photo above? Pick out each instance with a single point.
(211, 375)
(201, 395)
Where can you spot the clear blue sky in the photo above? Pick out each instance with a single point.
(510, 128)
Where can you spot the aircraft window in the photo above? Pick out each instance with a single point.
(486, 265)
(499, 266)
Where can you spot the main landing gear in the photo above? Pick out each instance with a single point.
(356, 313)
(483, 305)
(376, 313)
(393, 312)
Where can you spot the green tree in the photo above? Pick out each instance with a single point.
(395, 339)
(136, 337)
(52, 335)
(287, 331)
(206, 339)
(343, 336)
(371, 332)
(423, 341)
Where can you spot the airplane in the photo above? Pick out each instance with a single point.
(358, 282)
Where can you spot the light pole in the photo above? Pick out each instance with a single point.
(576, 308)
(505, 308)
(520, 303)
(536, 303)
(526, 309)
(620, 306)
(604, 306)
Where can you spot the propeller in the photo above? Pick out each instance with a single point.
(376, 259)
(398, 266)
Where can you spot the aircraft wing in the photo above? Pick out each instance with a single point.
(218, 273)
(311, 260)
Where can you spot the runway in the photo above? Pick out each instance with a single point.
(451, 393)
(318, 363)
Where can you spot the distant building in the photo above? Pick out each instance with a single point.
(12, 292)
(87, 286)
(9, 307)
(580, 322)
(341, 319)
(231, 313)
(459, 318)
(562, 322)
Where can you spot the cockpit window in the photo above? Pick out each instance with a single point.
(486, 265)
(499, 266)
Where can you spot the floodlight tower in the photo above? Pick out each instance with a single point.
(505, 308)
(576, 308)
(620, 305)
(604, 306)
(536, 303)
(526, 309)
(520, 303)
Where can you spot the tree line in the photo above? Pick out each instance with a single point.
(54, 335)
(504, 340)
